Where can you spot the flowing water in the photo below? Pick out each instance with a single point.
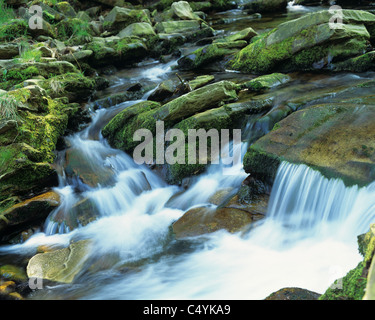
(307, 239)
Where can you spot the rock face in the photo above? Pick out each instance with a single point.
(60, 265)
(307, 43)
(334, 138)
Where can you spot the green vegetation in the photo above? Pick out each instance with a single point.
(9, 107)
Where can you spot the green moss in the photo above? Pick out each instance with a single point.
(351, 287)
(13, 29)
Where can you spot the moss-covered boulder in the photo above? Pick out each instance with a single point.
(266, 82)
(27, 147)
(138, 29)
(210, 53)
(119, 18)
(196, 101)
(182, 10)
(332, 138)
(307, 43)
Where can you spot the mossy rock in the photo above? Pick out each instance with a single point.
(306, 43)
(208, 54)
(318, 137)
(30, 210)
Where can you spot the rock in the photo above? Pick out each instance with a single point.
(204, 220)
(12, 273)
(306, 43)
(138, 29)
(266, 82)
(45, 51)
(8, 51)
(81, 55)
(164, 90)
(65, 8)
(179, 26)
(28, 211)
(263, 6)
(357, 284)
(362, 63)
(182, 10)
(112, 3)
(201, 81)
(89, 172)
(318, 137)
(208, 54)
(60, 265)
(198, 100)
(116, 51)
(245, 34)
(82, 15)
(119, 18)
(293, 294)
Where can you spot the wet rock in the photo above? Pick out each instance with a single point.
(245, 34)
(201, 81)
(60, 265)
(306, 43)
(182, 10)
(12, 273)
(318, 136)
(178, 26)
(7, 291)
(8, 50)
(266, 82)
(138, 29)
(204, 220)
(361, 63)
(164, 90)
(293, 294)
(28, 211)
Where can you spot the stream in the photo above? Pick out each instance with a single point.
(308, 238)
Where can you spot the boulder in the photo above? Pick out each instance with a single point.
(138, 29)
(60, 265)
(179, 26)
(196, 101)
(266, 82)
(246, 34)
(307, 43)
(263, 6)
(201, 81)
(119, 18)
(182, 10)
(204, 220)
(333, 138)
(31, 210)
